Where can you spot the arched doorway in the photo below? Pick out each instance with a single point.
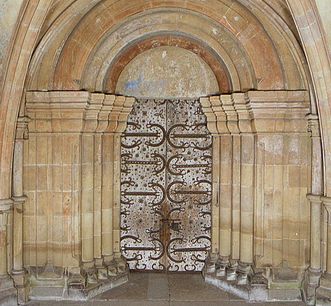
(166, 186)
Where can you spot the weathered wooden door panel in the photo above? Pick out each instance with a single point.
(166, 186)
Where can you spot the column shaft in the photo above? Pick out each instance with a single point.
(236, 197)
(226, 195)
(97, 195)
(5, 211)
(216, 196)
(107, 196)
(315, 236)
(87, 197)
(3, 244)
(247, 199)
(19, 200)
(327, 203)
(117, 195)
(316, 192)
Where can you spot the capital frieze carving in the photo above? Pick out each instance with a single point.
(77, 112)
(259, 112)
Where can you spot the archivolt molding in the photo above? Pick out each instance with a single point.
(80, 52)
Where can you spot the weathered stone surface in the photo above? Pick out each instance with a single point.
(167, 72)
(59, 189)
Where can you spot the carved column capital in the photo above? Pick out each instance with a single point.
(22, 131)
(5, 205)
(244, 111)
(232, 120)
(105, 110)
(217, 119)
(313, 198)
(119, 113)
(19, 200)
(127, 104)
(210, 115)
(313, 125)
(91, 115)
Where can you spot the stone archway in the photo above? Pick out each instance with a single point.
(13, 91)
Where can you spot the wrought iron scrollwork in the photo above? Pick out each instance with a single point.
(166, 166)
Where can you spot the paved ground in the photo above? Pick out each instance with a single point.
(156, 289)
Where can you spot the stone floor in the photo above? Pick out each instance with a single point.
(158, 289)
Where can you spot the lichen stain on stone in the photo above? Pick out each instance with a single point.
(134, 84)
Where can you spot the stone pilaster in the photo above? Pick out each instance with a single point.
(88, 183)
(18, 272)
(6, 282)
(245, 122)
(313, 274)
(121, 110)
(323, 293)
(221, 206)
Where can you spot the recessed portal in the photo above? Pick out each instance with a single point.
(166, 190)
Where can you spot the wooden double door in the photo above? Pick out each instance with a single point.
(166, 162)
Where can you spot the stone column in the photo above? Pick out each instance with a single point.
(6, 282)
(87, 197)
(315, 232)
(327, 204)
(209, 105)
(247, 176)
(122, 107)
(246, 207)
(106, 177)
(221, 122)
(235, 247)
(229, 223)
(107, 196)
(323, 293)
(18, 272)
(314, 272)
(102, 123)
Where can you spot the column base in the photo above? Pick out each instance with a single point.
(222, 265)
(249, 283)
(102, 272)
(21, 283)
(323, 292)
(244, 271)
(309, 285)
(90, 273)
(211, 262)
(77, 284)
(231, 272)
(117, 266)
(6, 282)
(8, 293)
